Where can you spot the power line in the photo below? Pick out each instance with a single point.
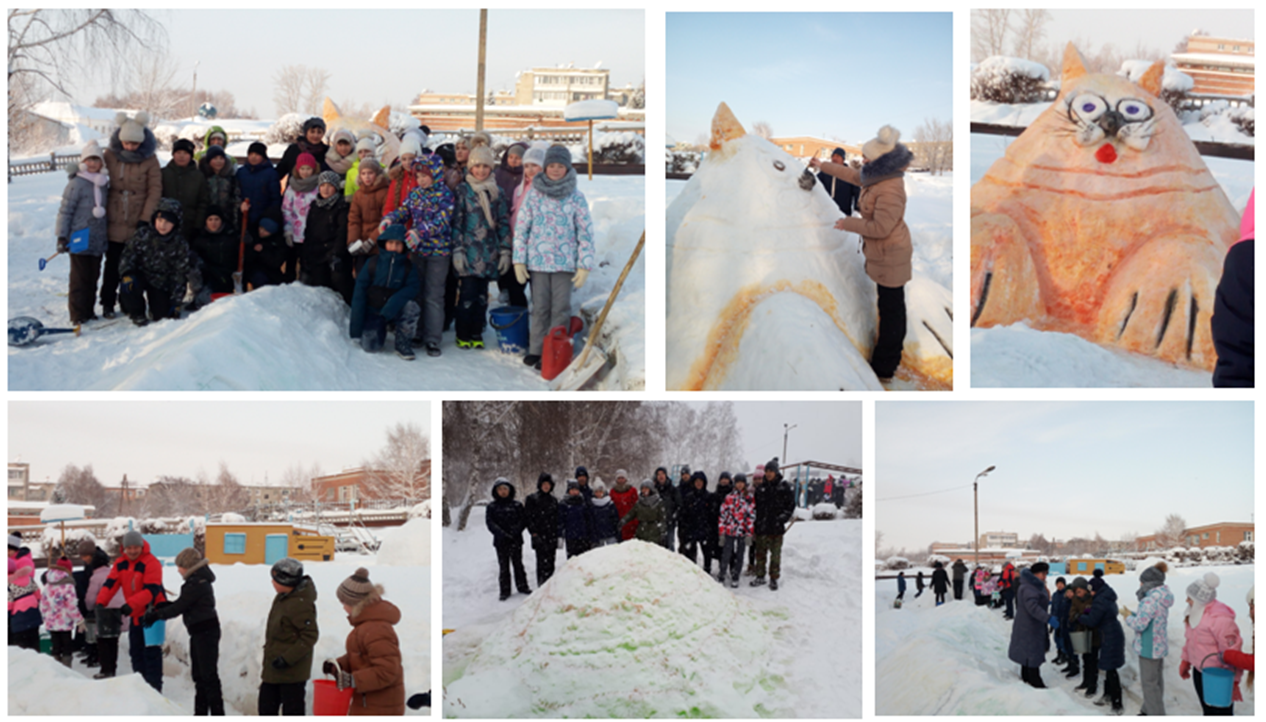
(926, 493)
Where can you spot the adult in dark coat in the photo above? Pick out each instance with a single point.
(311, 141)
(582, 480)
(506, 519)
(696, 515)
(959, 570)
(841, 191)
(775, 504)
(1232, 322)
(575, 520)
(1102, 617)
(541, 508)
(670, 501)
(940, 583)
(1029, 642)
(188, 185)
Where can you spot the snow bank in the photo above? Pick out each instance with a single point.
(38, 685)
(408, 545)
(1174, 80)
(421, 510)
(625, 631)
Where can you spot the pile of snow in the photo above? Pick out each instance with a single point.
(626, 147)
(51, 539)
(421, 510)
(1174, 80)
(408, 545)
(38, 685)
(619, 632)
(591, 110)
(825, 510)
(229, 517)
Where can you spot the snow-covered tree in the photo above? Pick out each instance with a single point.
(400, 468)
(287, 129)
(989, 30)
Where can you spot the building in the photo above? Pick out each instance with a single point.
(426, 97)
(98, 119)
(806, 146)
(264, 543)
(19, 477)
(265, 495)
(1220, 66)
(1002, 539)
(990, 555)
(557, 87)
(353, 485)
(1221, 534)
(943, 548)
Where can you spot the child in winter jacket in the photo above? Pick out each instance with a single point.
(341, 155)
(196, 608)
(403, 176)
(365, 212)
(736, 526)
(695, 517)
(155, 266)
(553, 241)
(541, 509)
(372, 667)
(365, 149)
(84, 208)
(506, 519)
(575, 520)
(1088, 662)
(323, 257)
(301, 191)
(216, 247)
(108, 619)
(59, 606)
(1232, 323)
(385, 293)
(223, 189)
(259, 183)
(624, 496)
(648, 512)
(24, 597)
(186, 184)
(605, 517)
(429, 211)
(1102, 618)
(1151, 640)
(1211, 632)
(137, 576)
(481, 244)
(289, 637)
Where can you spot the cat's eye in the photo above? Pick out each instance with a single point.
(778, 164)
(1134, 110)
(1088, 106)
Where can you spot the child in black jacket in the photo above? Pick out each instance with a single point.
(196, 608)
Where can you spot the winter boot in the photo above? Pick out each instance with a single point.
(1118, 709)
(140, 321)
(525, 589)
(432, 350)
(773, 585)
(532, 360)
(505, 596)
(757, 582)
(734, 583)
(102, 675)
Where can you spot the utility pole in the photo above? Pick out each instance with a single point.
(193, 97)
(479, 86)
(975, 503)
(786, 430)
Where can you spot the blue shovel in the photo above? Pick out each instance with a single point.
(24, 330)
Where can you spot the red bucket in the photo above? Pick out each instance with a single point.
(328, 700)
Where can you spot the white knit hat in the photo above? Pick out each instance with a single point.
(1201, 592)
(92, 150)
(536, 153)
(409, 145)
(365, 143)
(882, 143)
(132, 130)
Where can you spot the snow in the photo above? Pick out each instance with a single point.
(408, 545)
(998, 65)
(1174, 79)
(421, 510)
(295, 337)
(62, 512)
(694, 648)
(243, 594)
(952, 659)
(591, 110)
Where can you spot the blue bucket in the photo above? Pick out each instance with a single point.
(511, 325)
(156, 633)
(1218, 684)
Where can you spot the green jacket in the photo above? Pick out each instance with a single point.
(291, 634)
(650, 519)
(206, 143)
(188, 186)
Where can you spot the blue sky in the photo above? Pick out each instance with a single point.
(824, 74)
(1063, 469)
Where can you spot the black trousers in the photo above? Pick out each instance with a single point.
(204, 655)
(81, 299)
(1090, 671)
(26, 639)
(546, 552)
(133, 301)
(509, 282)
(576, 547)
(148, 661)
(472, 308)
(940, 597)
(1198, 679)
(958, 588)
(61, 644)
(110, 277)
(1112, 686)
(108, 655)
(288, 698)
(886, 357)
(336, 276)
(511, 555)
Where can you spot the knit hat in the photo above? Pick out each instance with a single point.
(410, 145)
(365, 143)
(371, 163)
(214, 210)
(647, 484)
(558, 154)
(187, 558)
(1154, 574)
(1079, 583)
(1060, 581)
(724, 475)
(86, 548)
(183, 144)
(270, 225)
(573, 484)
(132, 539)
(257, 148)
(168, 211)
(882, 143)
(313, 122)
(132, 130)
(92, 150)
(772, 465)
(517, 149)
(1097, 573)
(1201, 592)
(329, 176)
(15, 541)
(393, 232)
(621, 472)
(445, 152)
(215, 151)
(287, 572)
(64, 564)
(1040, 567)
(306, 159)
(599, 487)
(535, 154)
(355, 588)
(582, 471)
(685, 470)
(481, 151)
(1097, 584)
(346, 135)
(840, 152)
(740, 477)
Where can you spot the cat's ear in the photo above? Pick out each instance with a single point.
(1074, 65)
(1151, 80)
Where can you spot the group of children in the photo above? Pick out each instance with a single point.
(718, 523)
(411, 242)
(127, 596)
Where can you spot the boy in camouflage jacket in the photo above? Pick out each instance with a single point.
(155, 265)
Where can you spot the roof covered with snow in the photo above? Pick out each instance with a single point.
(591, 110)
(1243, 61)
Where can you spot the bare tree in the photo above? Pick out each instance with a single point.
(172, 496)
(1172, 533)
(288, 89)
(152, 87)
(1029, 31)
(314, 89)
(989, 29)
(299, 478)
(227, 494)
(763, 129)
(935, 145)
(400, 469)
(81, 486)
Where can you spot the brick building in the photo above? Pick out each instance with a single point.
(352, 485)
(1222, 66)
(1220, 534)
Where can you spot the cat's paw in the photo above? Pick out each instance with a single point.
(1004, 287)
(1160, 300)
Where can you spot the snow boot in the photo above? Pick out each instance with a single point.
(757, 582)
(107, 313)
(102, 675)
(140, 321)
(532, 360)
(418, 701)
(505, 596)
(405, 353)
(1118, 709)
(773, 585)
(525, 590)
(734, 583)
(432, 350)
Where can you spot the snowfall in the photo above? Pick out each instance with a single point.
(952, 659)
(294, 337)
(40, 686)
(635, 631)
(1018, 355)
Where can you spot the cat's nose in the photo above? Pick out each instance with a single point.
(807, 180)
(1111, 122)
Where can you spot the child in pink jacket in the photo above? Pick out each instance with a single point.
(1210, 630)
(60, 608)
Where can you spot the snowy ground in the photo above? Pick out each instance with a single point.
(952, 660)
(809, 634)
(293, 337)
(1017, 355)
(38, 685)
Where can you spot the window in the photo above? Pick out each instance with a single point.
(234, 543)
(1204, 535)
(1248, 536)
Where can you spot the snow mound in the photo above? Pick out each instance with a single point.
(421, 510)
(630, 630)
(229, 517)
(407, 546)
(1174, 80)
(40, 685)
(825, 510)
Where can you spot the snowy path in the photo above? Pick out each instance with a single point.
(953, 659)
(819, 596)
(291, 337)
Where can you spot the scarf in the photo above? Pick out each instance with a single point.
(486, 191)
(558, 189)
(1145, 587)
(306, 147)
(98, 181)
(304, 185)
(327, 202)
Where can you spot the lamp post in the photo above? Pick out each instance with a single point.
(786, 430)
(975, 502)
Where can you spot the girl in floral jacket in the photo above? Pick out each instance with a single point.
(300, 193)
(553, 241)
(481, 243)
(1151, 641)
(737, 524)
(60, 608)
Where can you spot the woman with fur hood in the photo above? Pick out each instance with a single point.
(372, 667)
(1151, 639)
(136, 185)
(84, 207)
(196, 608)
(885, 237)
(1210, 632)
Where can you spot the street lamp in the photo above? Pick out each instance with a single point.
(975, 502)
(785, 430)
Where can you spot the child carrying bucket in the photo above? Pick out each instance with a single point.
(196, 608)
(372, 668)
(1210, 631)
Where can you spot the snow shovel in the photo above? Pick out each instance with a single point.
(592, 359)
(44, 261)
(24, 330)
(237, 275)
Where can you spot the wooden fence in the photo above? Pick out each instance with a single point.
(32, 167)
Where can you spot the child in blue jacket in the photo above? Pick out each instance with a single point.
(386, 289)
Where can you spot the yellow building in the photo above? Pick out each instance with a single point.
(1087, 567)
(264, 543)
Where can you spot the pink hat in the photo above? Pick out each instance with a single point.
(1246, 222)
(65, 564)
(306, 159)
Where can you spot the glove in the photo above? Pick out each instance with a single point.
(579, 278)
(345, 681)
(413, 240)
(382, 225)
(280, 663)
(521, 272)
(125, 284)
(1053, 621)
(1125, 611)
(1184, 669)
(126, 609)
(290, 239)
(148, 619)
(459, 263)
(328, 667)
(63, 244)
(82, 626)
(503, 263)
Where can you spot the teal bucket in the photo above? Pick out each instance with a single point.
(156, 633)
(511, 325)
(1218, 684)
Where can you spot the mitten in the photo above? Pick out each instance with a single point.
(579, 278)
(126, 609)
(1053, 621)
(345, 680)
(503, 263)
(459, 263)
(413, 240)
(63, 244)
(328, 667)
(290, 239)
(521, 272)
(1184, 669)
(280, 663)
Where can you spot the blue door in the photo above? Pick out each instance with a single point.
(276, 548)
(1099, 566)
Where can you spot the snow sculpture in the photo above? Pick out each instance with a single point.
(1103, 221)
(763, 293)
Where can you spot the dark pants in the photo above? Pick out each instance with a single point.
(711, 550)
(108, 655)
(288, 698)
(576, 547)
(450, 297)
(1032, 676)
(110, 276)
(769, 545)
(148, 661)
(133, 299)
(1090, 671)
(918, 592)
(204, 655)
(335, 275)
(26, 639)
(1112, 687)
(81, 300)
(669, 540)
(1198, 678)
(958, 589)
(732, 556)
(886, 357)
(61, 650)
(374, 331)
(546, 552)
(940, 597)
(509, 282)
(472, 308)
(1008, 598)
(292, 261)
(434, 272)
(507, 555)
(690, 549)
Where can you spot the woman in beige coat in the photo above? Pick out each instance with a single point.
(136, 184)
(885, 236)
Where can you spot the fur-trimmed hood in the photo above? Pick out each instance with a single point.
(202, 564)
(374, 608)
(889, 165)
(148, 148)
